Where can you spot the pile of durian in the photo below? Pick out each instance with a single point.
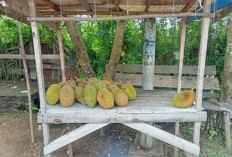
(90, 91)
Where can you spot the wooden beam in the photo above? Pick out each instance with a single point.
(165, 137)
(148, 5)
(226, 122)
(119, 118)
(51, 5)
(72, 136)
(29, 57)
(117, 4)
(20, 11)
(65, 13)
(189, 5)
(39, 19)
(85, 4)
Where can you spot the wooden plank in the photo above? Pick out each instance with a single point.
(46, 136)
(61, 50)
(72, 136)
(51, 5)
(73, 117)
(227, 129)
(209, 106)
(166, 137)
(202, 55)
(189, 5)
(39, 19)
(29, 57)
(166, 69)
(182, 45)
(148, 5)
(22, 50)
(85, 4)
(210, 83)
(116, 5)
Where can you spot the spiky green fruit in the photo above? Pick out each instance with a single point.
(52, 94)
(90, 94)
(129, 90)
(100, 85)
(79, 95)
(61, 84)
(119, 84)
(183, 99)
(120, 97)
(67, 96)
(71, 82)
(105, 98)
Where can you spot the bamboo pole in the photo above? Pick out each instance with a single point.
(40, 19)
(22, 51)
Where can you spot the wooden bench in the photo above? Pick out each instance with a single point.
(167, 77)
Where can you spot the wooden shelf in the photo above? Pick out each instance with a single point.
(148, 106)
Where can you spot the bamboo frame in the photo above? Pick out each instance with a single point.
(40, 19)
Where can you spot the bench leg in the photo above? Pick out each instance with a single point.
(227, 129)
(177, 128)
(196, 133)
(46, 136)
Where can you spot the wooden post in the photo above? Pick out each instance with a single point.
(201, 69)
(148, 69)
(39, 69)
(181, 59)
(22, 51)
(61, 50)
(227, 129)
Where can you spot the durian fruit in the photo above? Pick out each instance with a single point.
(52, 94)
(105, 98)
(106, 82)
(71, 82)
(90, 95)
(129, 90)
(120, 97)
(67, 96)
(79, 95)
(112, 86)
(109, 79)
(119, 84)
(100, 85)
(61, 84)
(92, 81)
(80, 81)
(183, 99)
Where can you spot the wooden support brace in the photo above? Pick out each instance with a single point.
(166, 137)
(227, 129)
(72, 136)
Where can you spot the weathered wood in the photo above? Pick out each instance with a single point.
(148, 5)
(22, 50)
(29, 57)
(46, 137)
(209, 106)
(85, 4)
(166, 69)
(169, 81)
(61, 50)
(116, 5)
(72, 136)
(227, 129)
(149, 54)
(51, 5)
(189, 5)
(80, 49)
(182, 45)
(226, 88)
(74, 117)
(40, 19)
(166, 137)
(110, 68)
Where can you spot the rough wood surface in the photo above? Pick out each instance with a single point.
(29, 57)
(40, 19)
(80, 49)
(22, 50)
(166, 137)
(209, 106)
(72, 136)
(166, 69)
(116, 50)
(210, 83)
(226, 88)
(227, 129)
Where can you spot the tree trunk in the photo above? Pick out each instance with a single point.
(79, 47)
(116, 50)
(227, 72)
